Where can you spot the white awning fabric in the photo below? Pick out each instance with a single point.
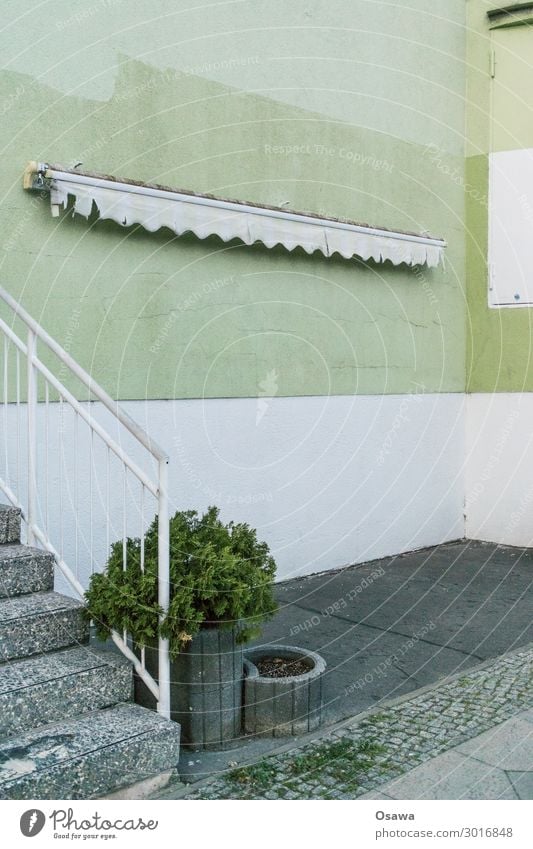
(154, 207)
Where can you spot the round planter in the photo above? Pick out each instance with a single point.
(205, 689)
(277, 707)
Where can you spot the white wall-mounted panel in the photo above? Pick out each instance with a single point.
(327, 481)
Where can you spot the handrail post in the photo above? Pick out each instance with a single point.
(163, 562)
(32, 436)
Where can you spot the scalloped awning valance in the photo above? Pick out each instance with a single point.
(153, 207)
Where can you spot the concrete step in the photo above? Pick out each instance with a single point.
(24, 570)
(56, 686)
(9, 524)
(40, 622)
(89, 757)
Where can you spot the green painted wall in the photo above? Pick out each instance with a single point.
(500, 340)
(351, 108)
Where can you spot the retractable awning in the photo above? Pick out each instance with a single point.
(128, 202)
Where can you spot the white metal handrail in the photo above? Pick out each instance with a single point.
(36, 369)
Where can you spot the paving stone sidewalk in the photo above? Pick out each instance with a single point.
(355, 758)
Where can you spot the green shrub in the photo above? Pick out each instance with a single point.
(220, 575)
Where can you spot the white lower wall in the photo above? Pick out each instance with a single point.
(499, 468)
(327, 481)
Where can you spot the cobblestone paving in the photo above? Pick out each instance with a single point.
(356, 758)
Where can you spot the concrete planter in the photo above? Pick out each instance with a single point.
(206, 689)
(277, 707)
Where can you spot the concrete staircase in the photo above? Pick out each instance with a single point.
(68, 727)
